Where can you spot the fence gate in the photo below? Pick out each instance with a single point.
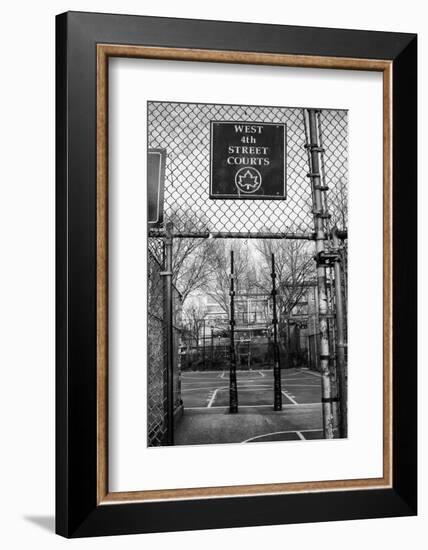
(311, 211)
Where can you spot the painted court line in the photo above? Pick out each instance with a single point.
(198, 372)
(288, 396)
(210, 388)
(317, 374)
(287, 405)
(296, 379)
(240, 387)
(302, 385)
(265, 374)
(251, 388)
(199, 380)
(214, 395)
(299, 434)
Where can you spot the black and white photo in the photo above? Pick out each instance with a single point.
(247, 273)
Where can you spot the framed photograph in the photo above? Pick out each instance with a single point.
(236, 274)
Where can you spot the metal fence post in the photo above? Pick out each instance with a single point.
(233, 388)
(340, 341)
(319, 216)
(276, 363)
(169, 318)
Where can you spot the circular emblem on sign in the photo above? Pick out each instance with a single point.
(248, 179)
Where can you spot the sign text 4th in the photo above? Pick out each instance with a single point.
(248, 160)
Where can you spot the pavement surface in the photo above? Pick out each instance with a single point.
(206, 418)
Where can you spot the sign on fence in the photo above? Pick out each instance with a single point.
(156, 159)
(248, 160)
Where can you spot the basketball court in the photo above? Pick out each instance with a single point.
(206, 417)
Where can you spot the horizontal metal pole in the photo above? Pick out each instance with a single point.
(342, 235)
(231, 235)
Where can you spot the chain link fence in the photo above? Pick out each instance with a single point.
(157, 405)
(156, 394)
(183, 130)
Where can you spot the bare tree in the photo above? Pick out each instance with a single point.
(338, 203)
(194, 316)
(218, 286)
(192, 257)
(294, 266)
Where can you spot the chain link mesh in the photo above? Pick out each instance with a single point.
(183, 130)
(156, 394)
(333, 131)
(157, 346)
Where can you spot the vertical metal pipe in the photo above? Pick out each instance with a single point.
(340, 342)
(331, 339)
(169, 335)
(314, 148)
(276, 364)
(212, 348)
(288, 342)
(233, 388)
(203, 345)
(189, 347)
(179, 368)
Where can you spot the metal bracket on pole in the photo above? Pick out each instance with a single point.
(327, 259)
(320, 213)
(321, 187)
(314, 147)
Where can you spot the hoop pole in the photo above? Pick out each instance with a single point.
(203, 345)
(233, 388)
(277, 390)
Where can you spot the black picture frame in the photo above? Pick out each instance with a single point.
(78, 513)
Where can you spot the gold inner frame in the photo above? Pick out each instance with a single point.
(104, 52)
